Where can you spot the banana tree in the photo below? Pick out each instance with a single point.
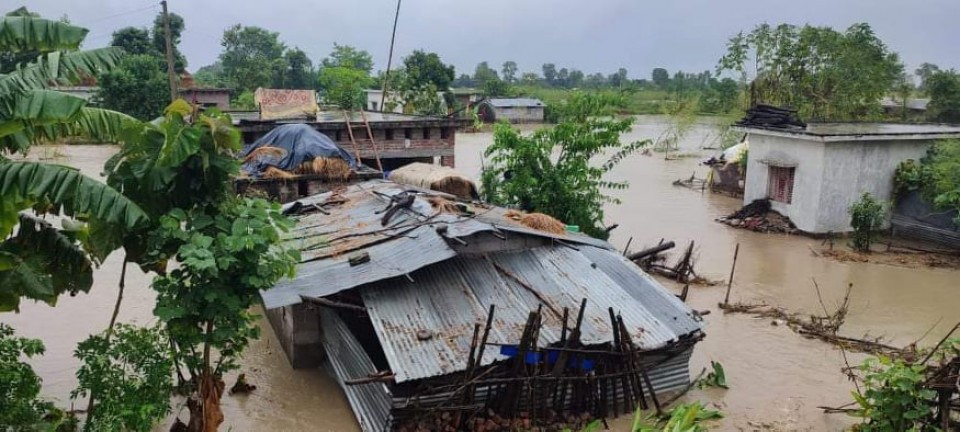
(38, 260)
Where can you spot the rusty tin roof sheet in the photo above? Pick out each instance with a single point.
(448, 298)
(351, 224)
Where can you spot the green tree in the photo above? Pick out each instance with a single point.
(529, 78)
(825, 74)
(924, 72)
(944, 90)
(343, 86)
(212, 75)
(346, 56)
(138, 86)
(660, 77)
(549, 72)
(251, 57)
(550, 171)
(177, 26)
(575, 78)
(424, 69)
(509, 71)
(133, 41)
(298, 72)
(484, 73)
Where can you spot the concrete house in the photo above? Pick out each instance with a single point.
(519, 110)
(812, 175)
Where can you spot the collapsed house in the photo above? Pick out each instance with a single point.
(440, 314)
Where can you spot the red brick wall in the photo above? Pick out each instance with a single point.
(399, 147)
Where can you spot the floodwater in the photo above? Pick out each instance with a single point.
(777, 379)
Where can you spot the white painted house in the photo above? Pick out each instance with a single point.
(813, 175)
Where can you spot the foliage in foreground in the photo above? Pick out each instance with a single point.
(681, 418)
(936, 176)
(21, 407)
(866, 217)
(894, 396)
(131, 374)
(550, 171)
(227, 249)
(40, 261)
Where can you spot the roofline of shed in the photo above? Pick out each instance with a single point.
(805, 135)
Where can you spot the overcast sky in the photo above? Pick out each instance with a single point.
(590, 35)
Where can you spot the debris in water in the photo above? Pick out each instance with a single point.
(242, 386)
(758, 216)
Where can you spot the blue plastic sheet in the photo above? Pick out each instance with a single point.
(301, 143)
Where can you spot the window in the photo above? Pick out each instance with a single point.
(780, 186)
(444, 133)
(426, 133)
(389, 134)
(373, 106)
(407, 133)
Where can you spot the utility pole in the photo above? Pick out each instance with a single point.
(386, 76)
(171, 74)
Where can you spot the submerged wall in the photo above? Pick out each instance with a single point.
(298, 329)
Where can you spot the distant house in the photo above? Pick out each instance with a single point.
(207, 97)
(465, 96)
(916, 108)
(812, 175)
(518, 110)
(88, 93)
(394, 100)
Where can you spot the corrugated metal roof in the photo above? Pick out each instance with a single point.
(448, 298)
(370, 402)
(515, 102)
(410, 240)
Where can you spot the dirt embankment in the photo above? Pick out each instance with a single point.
(894, 256)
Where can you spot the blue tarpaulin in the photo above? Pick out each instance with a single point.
(301, 143)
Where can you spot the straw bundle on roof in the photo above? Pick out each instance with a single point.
(538, 221)
(434, 177)
(542, 222)
(443, 205)
(276, 173)
(265, 151)
(328, 168)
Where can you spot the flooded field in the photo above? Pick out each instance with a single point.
(777, 378)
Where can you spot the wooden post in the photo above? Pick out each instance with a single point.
(726, 298)
(171, 73)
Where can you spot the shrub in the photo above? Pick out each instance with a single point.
(131, 374)
(866, 216)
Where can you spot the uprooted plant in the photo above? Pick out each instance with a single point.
(824, 327)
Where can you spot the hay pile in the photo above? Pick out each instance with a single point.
(444, 205)
(328, 168)
(538, 221)
(435, 177)
(263, 152)
(276, 173)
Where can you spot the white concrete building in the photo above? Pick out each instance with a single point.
(813, 175)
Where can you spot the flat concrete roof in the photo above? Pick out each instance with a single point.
(838, 132)
(249, 120)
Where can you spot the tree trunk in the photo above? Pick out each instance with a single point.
(204, 405)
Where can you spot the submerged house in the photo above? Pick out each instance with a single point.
(433, 312)
(516, 110)
(814, 174)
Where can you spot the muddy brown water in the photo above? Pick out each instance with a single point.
(777, 378)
